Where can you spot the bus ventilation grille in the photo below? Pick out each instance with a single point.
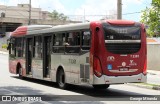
(84, 71)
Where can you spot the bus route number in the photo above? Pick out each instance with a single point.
(134, 56)
(72, 61)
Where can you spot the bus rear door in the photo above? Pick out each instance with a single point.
(29, 51)
(47, 56)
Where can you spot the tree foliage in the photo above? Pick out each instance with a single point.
(57, 16)
(151, 18)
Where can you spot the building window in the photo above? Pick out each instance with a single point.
(3, 15)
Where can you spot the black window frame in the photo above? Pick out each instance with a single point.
(73, 42)
(121, 33)
(86, 47)
(12, 49)
(65, 46)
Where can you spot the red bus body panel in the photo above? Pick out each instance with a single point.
(134, 61)
(20, 31)
(13, 66)
(120, 22)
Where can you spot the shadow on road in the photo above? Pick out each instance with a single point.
(89, 94)
(18, 90)
(86, 90)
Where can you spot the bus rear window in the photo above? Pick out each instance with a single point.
(121, 32)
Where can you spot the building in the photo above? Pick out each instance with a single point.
(13, 16)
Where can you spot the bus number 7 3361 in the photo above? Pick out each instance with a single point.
(98, 53)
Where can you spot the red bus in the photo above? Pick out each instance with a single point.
(98, 53)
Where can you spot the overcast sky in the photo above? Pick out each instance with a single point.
(76, 8)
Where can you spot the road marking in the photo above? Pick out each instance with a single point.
(11, 92)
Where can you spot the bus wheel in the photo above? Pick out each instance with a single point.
(61, 79)
(101, 86)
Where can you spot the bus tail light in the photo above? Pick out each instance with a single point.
(145, 67)
(97, 67)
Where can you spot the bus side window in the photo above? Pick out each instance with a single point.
(58, 43)
(38, 47)
(12, 47)
(72, 42)
(19, 47)
(24, 46)
(86, 40)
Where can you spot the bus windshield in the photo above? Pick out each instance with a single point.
(121, 32)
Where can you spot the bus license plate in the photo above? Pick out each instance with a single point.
(123, 69)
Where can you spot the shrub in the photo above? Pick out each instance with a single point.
(4, 46)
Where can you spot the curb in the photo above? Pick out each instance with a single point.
(145, 86)
(1, 52)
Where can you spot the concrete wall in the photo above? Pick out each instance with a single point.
(153, 57)
(21, 12)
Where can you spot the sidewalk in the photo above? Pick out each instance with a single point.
(1, 52)
(153, 80)
(153, 77)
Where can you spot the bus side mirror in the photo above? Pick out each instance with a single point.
(8, 41)
(9, 46)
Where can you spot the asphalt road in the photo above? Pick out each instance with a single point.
(11, 85)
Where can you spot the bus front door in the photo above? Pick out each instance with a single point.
(29, 50)
(47, 56)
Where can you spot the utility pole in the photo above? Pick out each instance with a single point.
(119, 9)
(29, 21)
(84, 16)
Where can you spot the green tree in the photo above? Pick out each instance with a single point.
(151, 18)
(57, 16)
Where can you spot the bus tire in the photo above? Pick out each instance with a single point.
(61, 79)
(104, 86)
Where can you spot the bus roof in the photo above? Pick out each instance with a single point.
(61, 28)
(120, 22)
(36, 29)
(23, 30)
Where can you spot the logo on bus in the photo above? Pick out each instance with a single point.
(123, 64)
(132, 63)
(110, 58)
(109, 66)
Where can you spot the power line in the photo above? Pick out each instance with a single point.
(146, 3)
(107, 15)
(131, 13)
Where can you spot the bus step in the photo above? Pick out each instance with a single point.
(48, 79)
(30, 76)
